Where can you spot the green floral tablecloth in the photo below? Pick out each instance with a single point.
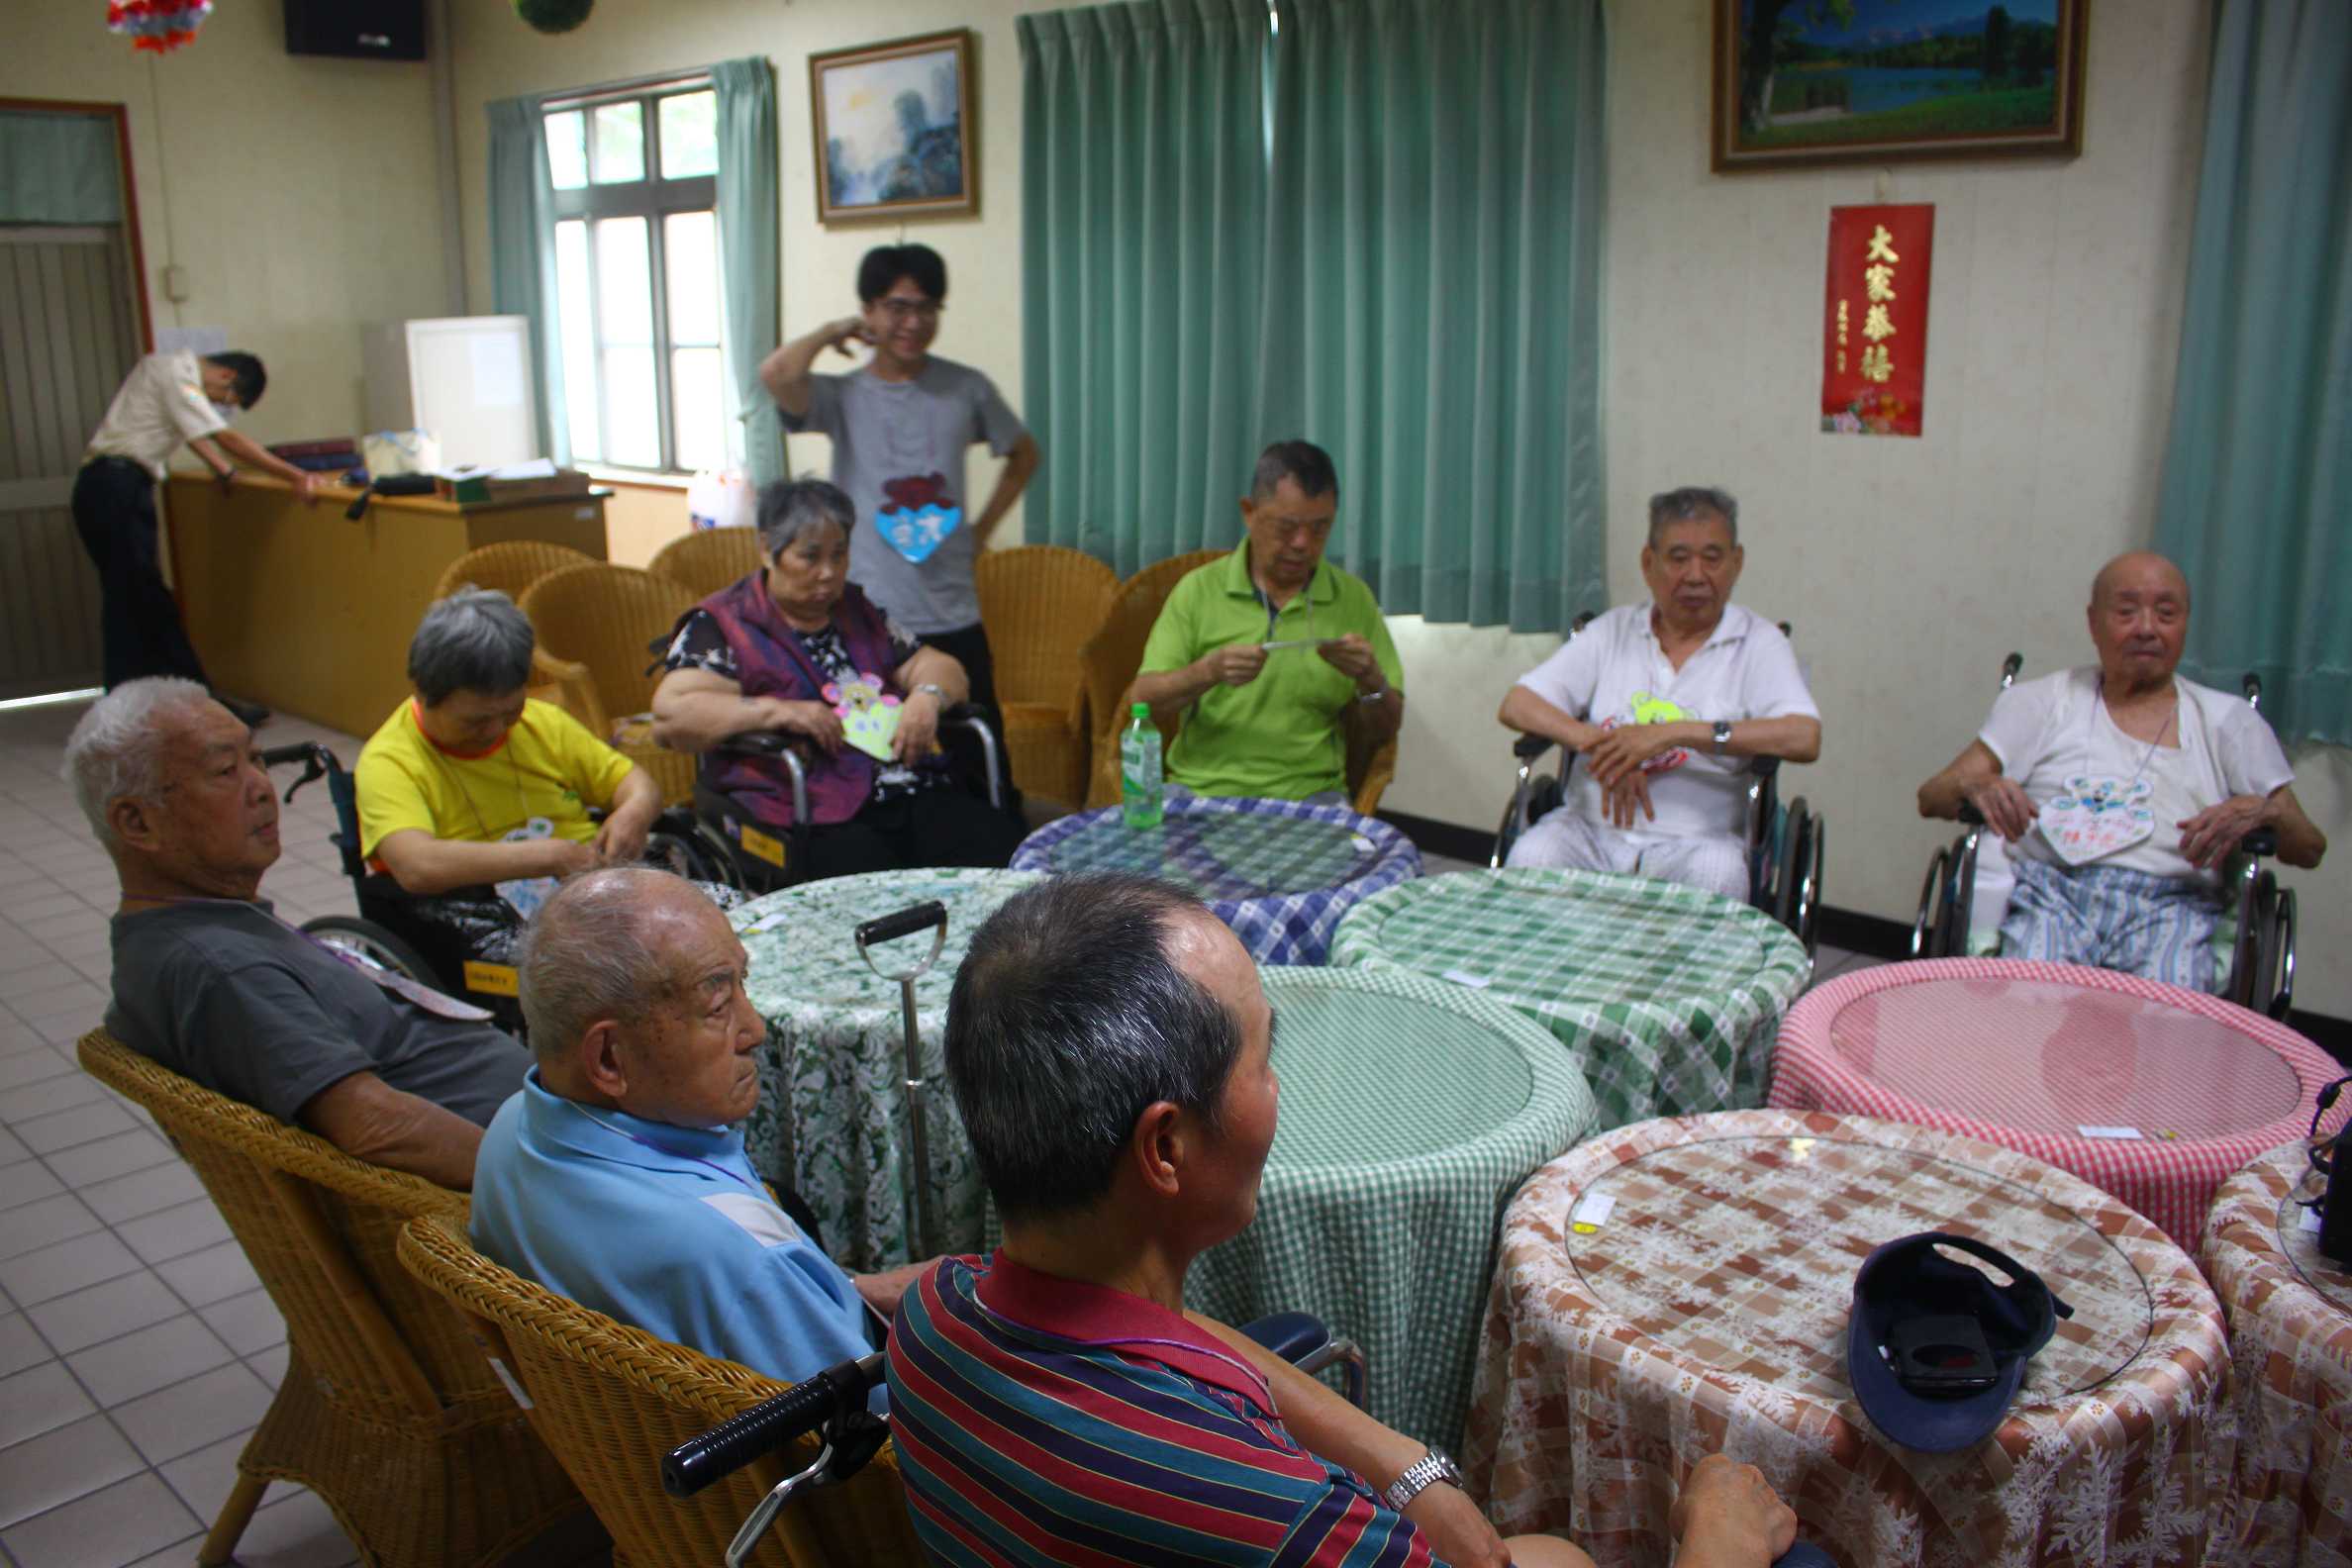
(832, 1104)
(1667, 998)
(1410, 1111)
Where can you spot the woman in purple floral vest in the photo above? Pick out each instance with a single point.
(797, 649)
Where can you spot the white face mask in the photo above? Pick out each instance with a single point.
(227, 411)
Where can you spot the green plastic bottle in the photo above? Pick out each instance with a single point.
(1139, 770)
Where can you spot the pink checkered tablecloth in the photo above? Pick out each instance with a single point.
(2146, 1091)
(1706, 1312)
(2290, 1314)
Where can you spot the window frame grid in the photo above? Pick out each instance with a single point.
(654, 199)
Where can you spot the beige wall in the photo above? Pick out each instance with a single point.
(299, 194)
(1907, 567)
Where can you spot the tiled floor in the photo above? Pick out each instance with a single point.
(136, 1347)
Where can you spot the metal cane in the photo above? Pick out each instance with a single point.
(888, 927)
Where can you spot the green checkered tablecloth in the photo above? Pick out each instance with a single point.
(1667, 998)
(832, 1118)
(1410, 1111)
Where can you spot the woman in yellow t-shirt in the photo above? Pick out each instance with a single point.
(473, 783)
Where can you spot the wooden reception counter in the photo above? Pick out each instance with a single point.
(297, 607)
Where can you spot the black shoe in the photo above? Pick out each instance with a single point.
(251, 715)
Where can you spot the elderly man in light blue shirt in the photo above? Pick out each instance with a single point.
(617, 1175)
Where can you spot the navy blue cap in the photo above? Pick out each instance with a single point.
(1908, 1282)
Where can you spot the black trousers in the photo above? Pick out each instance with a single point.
(969, 646)
(934, 827)
(114, 512)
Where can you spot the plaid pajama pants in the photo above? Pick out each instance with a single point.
(2113, 917)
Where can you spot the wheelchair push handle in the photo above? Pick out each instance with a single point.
(317, 762)
(768, 1426)
(902, 922)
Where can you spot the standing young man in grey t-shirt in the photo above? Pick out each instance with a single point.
(899, 425)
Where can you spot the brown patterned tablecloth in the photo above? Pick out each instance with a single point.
(1707, 1312)
(2290, 1316)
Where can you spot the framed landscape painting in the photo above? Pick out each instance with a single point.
(1801, 82)
(893, 129)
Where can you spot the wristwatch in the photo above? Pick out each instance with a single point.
(1423, 1473)
(1722, 734)
(937, 695)
(1377, 694)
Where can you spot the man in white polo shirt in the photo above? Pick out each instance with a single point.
(2122, 788)
(166, 399)
(1664, 703)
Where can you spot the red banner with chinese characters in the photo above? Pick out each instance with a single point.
(1874, 350)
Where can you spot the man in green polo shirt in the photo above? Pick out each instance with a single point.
(1264, 651)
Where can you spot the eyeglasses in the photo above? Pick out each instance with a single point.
(899, 310)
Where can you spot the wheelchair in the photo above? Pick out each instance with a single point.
(833, 1403)
(395, 933)
(1785, 842)
(759, 859)
(1959, 892)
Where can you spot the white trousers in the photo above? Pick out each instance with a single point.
(1716, 862)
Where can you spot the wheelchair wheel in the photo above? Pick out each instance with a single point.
(690, 857)
(373, 943)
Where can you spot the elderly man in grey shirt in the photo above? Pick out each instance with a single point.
(212, 984)
(900, 427)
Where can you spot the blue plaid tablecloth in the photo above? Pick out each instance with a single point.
(1280, 873)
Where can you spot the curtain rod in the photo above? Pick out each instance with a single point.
(575, 96)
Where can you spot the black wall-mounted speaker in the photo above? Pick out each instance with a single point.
(357, 28)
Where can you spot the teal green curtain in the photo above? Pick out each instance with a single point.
(58, 168)
(523, 252)
(1143, 192)
(748, 250)
(2259, 464)
(1434, 277)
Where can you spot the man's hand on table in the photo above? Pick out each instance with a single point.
(1728, 1517)
(2211, 836)
(882, 1291)
(307, 485)
(2003, 804)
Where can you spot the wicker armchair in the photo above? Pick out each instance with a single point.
(387, 1411)
(596, 625)
(611, 1400)
(1040, 603)
(1111, 656)
(510, 566)
(708, 560)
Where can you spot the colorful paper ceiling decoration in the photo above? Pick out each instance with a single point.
(157, 24)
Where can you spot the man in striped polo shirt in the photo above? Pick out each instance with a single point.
(1110, 1050)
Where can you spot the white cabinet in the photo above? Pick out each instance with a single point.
(467, 380)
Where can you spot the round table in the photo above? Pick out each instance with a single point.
(2290, 1314)
(1707, 1311)
(1409, 1113)
(833, 1102)
(1280, 873)
(1668, 998)
(2147, 1091)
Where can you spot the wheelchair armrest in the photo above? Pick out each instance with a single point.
(1765, 766)
(1970, 817)
(1529, 747)
(1292, 1336)
(2261, 841)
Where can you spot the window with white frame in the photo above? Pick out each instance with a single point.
(638, 279)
